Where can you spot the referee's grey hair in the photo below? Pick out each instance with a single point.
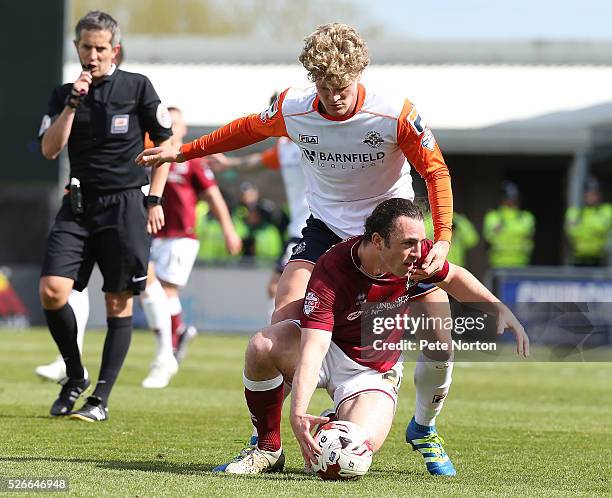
(96, 20)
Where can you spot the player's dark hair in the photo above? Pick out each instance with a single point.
(382, 219)
(96, 20)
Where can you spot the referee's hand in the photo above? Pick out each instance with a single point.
(158, 155)
(155, 219)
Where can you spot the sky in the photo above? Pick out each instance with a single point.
(495, 19)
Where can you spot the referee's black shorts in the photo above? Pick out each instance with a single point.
(112, 232)
(317, 238)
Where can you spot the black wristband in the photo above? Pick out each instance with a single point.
(154, 200)
(73, 100)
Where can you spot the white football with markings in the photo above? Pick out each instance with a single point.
(346, 451)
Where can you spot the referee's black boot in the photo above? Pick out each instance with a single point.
(94, 410)
(72, 389)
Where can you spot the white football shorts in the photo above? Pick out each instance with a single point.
(345, 379)
(174, 258)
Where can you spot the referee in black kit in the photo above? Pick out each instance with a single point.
(104, 217)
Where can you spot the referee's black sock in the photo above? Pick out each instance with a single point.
(63, 327)
(116, 346)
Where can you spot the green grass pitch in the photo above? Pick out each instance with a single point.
(532, 429)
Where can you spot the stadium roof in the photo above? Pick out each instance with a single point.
(583, 131)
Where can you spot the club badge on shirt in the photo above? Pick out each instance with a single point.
(311, 303)
(120, 123)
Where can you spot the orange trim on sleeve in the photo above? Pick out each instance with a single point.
(420, 148)
(269, 157)
(240, 132)
(148, 143)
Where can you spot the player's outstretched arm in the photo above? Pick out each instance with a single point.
(466, 288)
(313, 348)
(156, 156)
(239, 133)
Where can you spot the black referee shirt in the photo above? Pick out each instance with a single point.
(108, 130)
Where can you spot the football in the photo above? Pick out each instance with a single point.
(346, 451)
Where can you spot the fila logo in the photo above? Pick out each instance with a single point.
(309, 139)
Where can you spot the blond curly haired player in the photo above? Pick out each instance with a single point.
(358, 146)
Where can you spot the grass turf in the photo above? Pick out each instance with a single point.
(533, 429)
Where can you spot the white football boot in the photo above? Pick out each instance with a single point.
(162, 370)
(255, 461)
(54, 371)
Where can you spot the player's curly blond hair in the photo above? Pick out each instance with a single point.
(334, 54)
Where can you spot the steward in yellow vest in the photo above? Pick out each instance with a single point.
(509, 231)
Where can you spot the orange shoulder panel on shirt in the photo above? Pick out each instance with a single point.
(269, 157)
(420, 148)
(240, 132)
(148, 143)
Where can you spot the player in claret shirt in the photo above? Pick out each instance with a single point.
(173, 254)
(326, 349)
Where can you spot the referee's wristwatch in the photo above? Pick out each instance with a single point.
(154, 200)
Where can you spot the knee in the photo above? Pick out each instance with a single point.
(117, 304)
(52, 297)
(259, 349)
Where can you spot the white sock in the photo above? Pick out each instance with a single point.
(157, 312)
(174, 305)
(432, 380)
(262, 385)
(79, 302)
